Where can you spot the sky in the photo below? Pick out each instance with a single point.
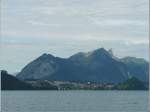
(30, 28)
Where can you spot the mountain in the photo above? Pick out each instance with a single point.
(138, 67)
(132, 84)
(43, 66)
(9, 82)
(96, 66)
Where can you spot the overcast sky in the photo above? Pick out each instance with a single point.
(30, 28)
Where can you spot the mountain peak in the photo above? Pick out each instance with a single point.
(133, 59)
(46, 56)
(101, 52)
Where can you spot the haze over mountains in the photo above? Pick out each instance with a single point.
(96, 66)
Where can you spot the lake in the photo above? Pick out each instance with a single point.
(74, 101)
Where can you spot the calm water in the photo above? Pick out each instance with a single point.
(74, 101)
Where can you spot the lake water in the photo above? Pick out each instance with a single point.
(74, 101)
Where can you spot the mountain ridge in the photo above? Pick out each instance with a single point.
(98, 66)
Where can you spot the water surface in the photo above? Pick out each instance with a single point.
(74, 101)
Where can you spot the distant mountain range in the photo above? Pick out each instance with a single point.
(96, 66)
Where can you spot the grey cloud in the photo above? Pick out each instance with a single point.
(65, 27)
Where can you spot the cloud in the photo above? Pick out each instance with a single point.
(66, 27)
(118, 22)
(11, 52)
